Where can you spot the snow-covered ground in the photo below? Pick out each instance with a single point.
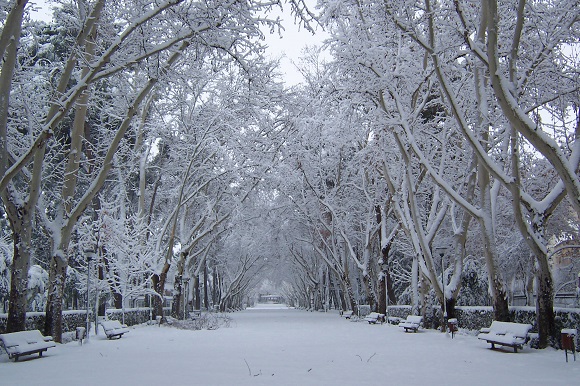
(275, 346)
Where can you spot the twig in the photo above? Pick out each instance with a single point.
(249, 370)
(359, 357)
(371, 357)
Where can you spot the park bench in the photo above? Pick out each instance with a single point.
(195, 314)
(22, 343)
(347, 314)
(114, 328)
(506, 334)
(412, 323)
(394, 320)
(375, 317)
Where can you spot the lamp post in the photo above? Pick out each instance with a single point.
(150, 300)
(442, 251)
(185, 296)
(89, 255)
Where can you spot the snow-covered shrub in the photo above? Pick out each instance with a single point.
(133, 316)
(207, 321)
(474, 318)
(474, 286)
(399, 311)
(75, 318)
(35, 320)
(37, 280)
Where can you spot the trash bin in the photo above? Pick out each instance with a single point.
(452, 326)
(569, 341)
(80, 334)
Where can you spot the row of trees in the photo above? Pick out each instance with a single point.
(434, 155)
(133, 132)
(446, 132)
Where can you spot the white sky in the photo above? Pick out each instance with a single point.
(292, 42)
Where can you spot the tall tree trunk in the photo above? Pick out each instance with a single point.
(176, 305)
(382, 289)
(205, 285)
(101, 303)
(415, 286)
(545, 307)
(56, 278)
(215, 296)
(196, 293)
(18, 284)
(118, 300)
(159, 288)
(20, 211)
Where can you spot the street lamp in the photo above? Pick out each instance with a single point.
(89, 255)
(442, 251)
(185, 296)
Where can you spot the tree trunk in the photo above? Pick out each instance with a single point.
(382, 289)
(176, 305)
(415, 286)
(348, 292)
(159, 288)
(57, 279)
(450, 306)
(18, 285)
(101, 306)
(118, 300)
(196, 293)
(545, 309)
(500, 303)
(205, 285)
(215, 294)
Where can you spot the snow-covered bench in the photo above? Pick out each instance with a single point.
(195, 314)
(22, 343)
(412, 323)
(375, 317)
(114, 328)
(347, 314)
(394, 320)
(506, 334)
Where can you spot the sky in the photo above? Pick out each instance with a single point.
(270, 345)
(289, 47)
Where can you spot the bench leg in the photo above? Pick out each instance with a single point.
(516, 349)
(492, 346)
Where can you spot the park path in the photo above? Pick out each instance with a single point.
(272, 346)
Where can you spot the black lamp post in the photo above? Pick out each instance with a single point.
(89, 255)
(442, 251)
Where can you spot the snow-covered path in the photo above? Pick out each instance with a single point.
(289, 347)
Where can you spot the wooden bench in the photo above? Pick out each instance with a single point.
(506, 334)
(22, 343)
(394, 320)
(347, 314)
(195, 314)
(375, 317)
(412, 323)
(114, 328)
